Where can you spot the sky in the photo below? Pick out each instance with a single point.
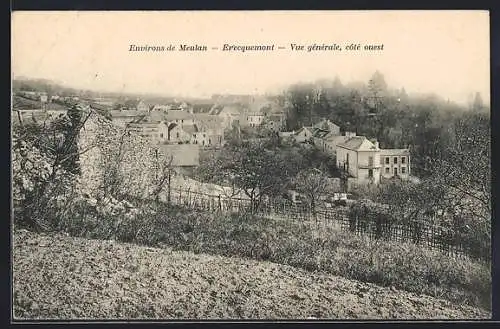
(442, 52)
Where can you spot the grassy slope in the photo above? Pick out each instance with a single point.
(65, 277)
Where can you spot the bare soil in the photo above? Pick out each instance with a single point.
(60, 277)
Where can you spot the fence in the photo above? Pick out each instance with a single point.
(322, 219)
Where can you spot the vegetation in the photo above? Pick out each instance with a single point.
(401, 265)
(450, 153)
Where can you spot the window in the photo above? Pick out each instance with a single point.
(386, 170)
(403, 160)
(370, 173)
(370, 161)
(182, 121)
(177, 135)
(403, 170)
(386, 160)
(395, 171)
(347, 159)
(395, 160)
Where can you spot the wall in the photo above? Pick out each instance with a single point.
(363, 166)
(391, 166)
(105, 147)
(353, 160)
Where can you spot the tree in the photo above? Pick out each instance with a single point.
(477, 103)
(254, 167)
(312, 183)
(377, 88)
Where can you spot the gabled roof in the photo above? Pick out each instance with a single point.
(216, 109)
(304, 128)
(325, 124)
(336, 140)
(320, 133)
(358, 143)
(394, 152)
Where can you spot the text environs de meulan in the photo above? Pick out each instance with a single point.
(196, 47)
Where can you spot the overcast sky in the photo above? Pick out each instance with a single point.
(446, 52)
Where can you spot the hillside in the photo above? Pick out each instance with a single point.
(60, 277)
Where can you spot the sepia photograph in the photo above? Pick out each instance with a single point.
(250, 165)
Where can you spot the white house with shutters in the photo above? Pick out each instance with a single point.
(360, 157)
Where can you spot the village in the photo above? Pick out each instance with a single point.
(184, 130)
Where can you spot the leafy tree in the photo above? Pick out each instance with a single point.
(253, 166)
(312, 183)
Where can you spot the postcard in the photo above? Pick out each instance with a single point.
(250, 165)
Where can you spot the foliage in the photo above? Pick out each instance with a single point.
(313, 184)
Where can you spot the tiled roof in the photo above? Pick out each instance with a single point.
(336, 140)
(230, 108)
(357, 143)
(394, 152)
(320, 133)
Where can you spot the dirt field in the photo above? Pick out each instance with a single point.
(58, 277)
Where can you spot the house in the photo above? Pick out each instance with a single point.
(229, 114)
(160, 107)
(179, 117)
(275, 121)
(123, 117)
(156, 132)
(395, 163)
(360, 158)
(178, 134)
(254, 119)
(328, 143)
(304, 134)
(319, 138)
(200, 138)
(212, 126)
(328, 126)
